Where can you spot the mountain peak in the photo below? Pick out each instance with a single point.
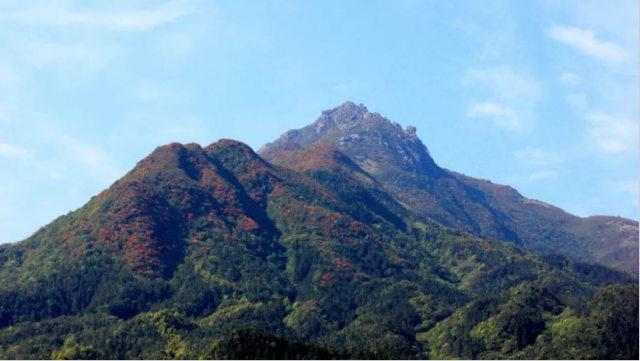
(396, 158)
(347, 107)
(343, 116)
(226, 146)
(360, 134)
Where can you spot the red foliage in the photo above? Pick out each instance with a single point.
(248, 225)
(130, 232)
(309, 304)
(278, 191)
(326, 279)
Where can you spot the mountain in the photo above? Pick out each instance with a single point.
(215, 252)
(397, 159)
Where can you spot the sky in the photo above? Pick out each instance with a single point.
(540, 95)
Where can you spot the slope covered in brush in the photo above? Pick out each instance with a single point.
(213, 252)
(398, 160)
(528, 322)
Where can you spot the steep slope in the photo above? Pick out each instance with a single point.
(213, 252)
(402, 164)
(609, 240)
(528, 322)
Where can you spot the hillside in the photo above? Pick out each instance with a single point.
(216, 253)
(402, 164)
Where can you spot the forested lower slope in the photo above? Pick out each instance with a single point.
(215, 253)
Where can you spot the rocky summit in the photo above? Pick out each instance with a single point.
(343, 239)
(398, 159)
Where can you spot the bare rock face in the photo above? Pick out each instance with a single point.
(398, 159)
(291, 134)
(342, 117)
(359, 133)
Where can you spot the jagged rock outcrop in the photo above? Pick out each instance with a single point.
(399, 160)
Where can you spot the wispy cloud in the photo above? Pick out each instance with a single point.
(570, 78)
(586, 42)
(577, 101)
(78, 57)
(94, 159)
(504, 82)
(11, 151)
(59, 13)
(612, 134)
(66, 154)
(509, 97)
(534, 157)
(543, 175)
(498, 114)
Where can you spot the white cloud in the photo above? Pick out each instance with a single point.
(619, 22)
(534, 157)
(509, 98)
(613, 134)
(498, 114)
(86, 57)
(504, 83)
(543, 175)
(570, 78)
(10, 151)
(577, 101)
(586, 42)
(59, 14)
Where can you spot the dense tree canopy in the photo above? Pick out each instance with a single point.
(215, 253)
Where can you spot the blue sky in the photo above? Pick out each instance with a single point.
(540, 95)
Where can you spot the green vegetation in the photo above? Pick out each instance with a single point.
(215, 253)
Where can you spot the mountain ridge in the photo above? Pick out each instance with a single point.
(402, 163)
(214, 252)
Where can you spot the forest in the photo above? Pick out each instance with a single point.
(216, 253)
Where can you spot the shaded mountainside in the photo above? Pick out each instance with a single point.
(215, 253)
(397, 159)
(528, 322)
(605, 239)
